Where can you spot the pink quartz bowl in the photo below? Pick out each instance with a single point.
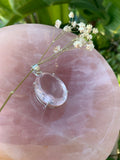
(85, 127)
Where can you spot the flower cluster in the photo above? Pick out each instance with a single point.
(85, 32)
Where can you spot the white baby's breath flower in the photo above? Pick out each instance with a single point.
(82, 40)
(67, 28)
(90, 46)
(74, 24)
(81, 29)
(81, 24)
(95, 30)
(58, 23)
(79, 42)
(89, 36)
(57, 49)
(71, 15)
(89, 28)
(82, 35)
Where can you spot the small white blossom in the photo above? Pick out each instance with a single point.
(71, 15)
(95, 30)
(58, 23)
(85, 34)
(79, 42)
(89, 36)
(81, 29)
(67, 28)
(90, 46)
(57, 49)
(82, 35)
(74, 24)
(81, 24)
(89, 28)
(82, 40)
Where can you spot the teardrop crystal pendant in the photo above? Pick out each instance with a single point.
(50, 90)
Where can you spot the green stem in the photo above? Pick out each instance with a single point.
(53, 56)
(32, 18)
(12, 92)
(58, 36)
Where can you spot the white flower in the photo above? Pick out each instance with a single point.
(81, 24)
(82, 40)
(74, 24)
(90, 46)
(95, 30)
(89, 36)
(58, 23)
(57, 49)
(81, 29)
(71, 15)
(82, 35)
(89, 28)
(67, 28)
(79, 42)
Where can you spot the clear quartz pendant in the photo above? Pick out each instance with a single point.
(50, 90)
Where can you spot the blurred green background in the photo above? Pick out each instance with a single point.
(103, 14)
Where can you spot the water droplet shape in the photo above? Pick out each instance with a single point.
(50, 90)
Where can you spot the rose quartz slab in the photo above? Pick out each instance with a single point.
(84, 128)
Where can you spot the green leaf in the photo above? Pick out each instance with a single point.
(92, 6)
(118, 78)
(52, 2)
(13, 10)
(48, 15)
(110, 158)
(119, 133)
(113, 10)
(114, 24)
(115, 2)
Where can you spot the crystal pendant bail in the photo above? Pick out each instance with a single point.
(36, 69)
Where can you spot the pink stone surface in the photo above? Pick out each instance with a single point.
(84, 128)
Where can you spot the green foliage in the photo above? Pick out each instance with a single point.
(110, 158)
(119, 132)
(91, 10)
(111, 52)
(48, 15)
(11, 11)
